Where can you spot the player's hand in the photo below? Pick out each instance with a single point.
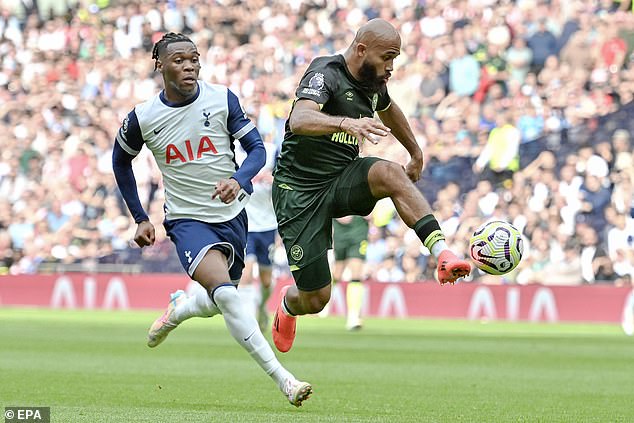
(365, 129)
(144, 234)
(227, 190)
(414, 168)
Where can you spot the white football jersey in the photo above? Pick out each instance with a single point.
(192, 143)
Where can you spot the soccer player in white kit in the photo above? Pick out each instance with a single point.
(261, 238)
(190, 127)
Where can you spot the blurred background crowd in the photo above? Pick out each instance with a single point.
(523, 109)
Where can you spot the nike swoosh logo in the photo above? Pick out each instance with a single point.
(156, 131)
(249, 337)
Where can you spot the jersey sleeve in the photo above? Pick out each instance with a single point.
(242, 129)
(384, 101)
(238, 124)
(317, 84)
(128, 144)
(129, 136)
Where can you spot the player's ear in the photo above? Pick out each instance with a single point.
(361, 49)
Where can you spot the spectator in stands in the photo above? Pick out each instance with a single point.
(594, 199)
(594, 259)
(432, 90)
(613, 48)
(530, 124)
(21, 228)
(623, 267)
(413, 263)
(55, 218)
(501, 152)
(519, 57)
(464, 72)
(623, 192)
(570, 27)
(535, 259)
(7, 252)
(543, 44)
(487, 119)
(620, 233)
(566, 271)
(390, 271)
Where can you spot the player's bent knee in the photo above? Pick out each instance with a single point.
(395, 174)
(386, 178)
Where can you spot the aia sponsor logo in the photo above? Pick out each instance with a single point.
(191, 151)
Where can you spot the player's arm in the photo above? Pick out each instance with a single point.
(265, 176)
(307, 119)
(242, 129)
(395, 119)
(128, 144)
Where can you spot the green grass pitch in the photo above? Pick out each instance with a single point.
(94, 366)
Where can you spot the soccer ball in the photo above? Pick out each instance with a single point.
(496, 247)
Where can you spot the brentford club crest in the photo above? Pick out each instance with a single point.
(297, 252)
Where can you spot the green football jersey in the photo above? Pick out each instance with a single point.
(311, 162)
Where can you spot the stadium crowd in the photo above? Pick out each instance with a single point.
(523, 109)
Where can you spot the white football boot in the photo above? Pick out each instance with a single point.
(162, 326)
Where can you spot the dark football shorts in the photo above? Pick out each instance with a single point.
(350, 249)
(261, 245)
(194, 238)
(305, 220)
(350, 240)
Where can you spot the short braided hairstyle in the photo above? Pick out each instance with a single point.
(161, 44)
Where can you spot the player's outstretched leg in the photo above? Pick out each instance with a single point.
(283, 329)
(388, 179)
(163, 326)
(244, 329)
(450, 267)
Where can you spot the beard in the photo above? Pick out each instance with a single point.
(183, 91)
(370, 79)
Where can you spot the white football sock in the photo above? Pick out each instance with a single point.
(244, 328)
(438, 247)
(199, 304)
(247, 294)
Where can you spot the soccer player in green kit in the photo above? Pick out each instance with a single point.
(320, 176)
(350, 242)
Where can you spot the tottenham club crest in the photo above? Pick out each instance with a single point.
(315, 85)
(297, 252)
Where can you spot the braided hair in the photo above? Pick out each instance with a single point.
(161, 45)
